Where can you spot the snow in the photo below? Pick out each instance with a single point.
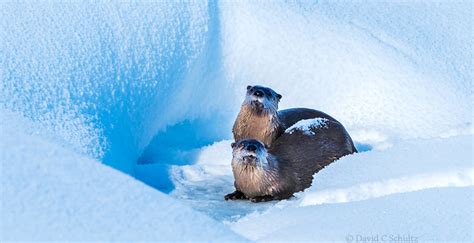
(408, 166)
(151, 89)
(402, 69)
(53, 193)
(441, 214)
(107, 77)
(306, 125)
(415, 172)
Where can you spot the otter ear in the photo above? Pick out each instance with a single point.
(279, 96)
(249, 87)
(232, 145)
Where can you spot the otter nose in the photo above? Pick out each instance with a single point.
(251, 147)
(258, 93)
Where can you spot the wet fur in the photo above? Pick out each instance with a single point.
(306, 154)
(263, 126)
(288, 161)
(289, 165)
(261, 177)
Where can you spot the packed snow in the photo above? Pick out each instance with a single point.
(50, 192)
(105, 106)
(306, 125)
(408, 166)
(440, 214)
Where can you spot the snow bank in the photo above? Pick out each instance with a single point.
(400, 69)
(442, 214)
(107, 77)
(52, 193)
(408, 166)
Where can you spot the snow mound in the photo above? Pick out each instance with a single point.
(441, 214)
(306, 125)
(408, 166)
(105, 78)
(53, 193)
(402, 69)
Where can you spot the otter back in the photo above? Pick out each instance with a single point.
(305, 152)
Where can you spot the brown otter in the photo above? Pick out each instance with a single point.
(260, 119)
(287, 167)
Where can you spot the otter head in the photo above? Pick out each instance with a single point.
(249, 153)
(262, 100)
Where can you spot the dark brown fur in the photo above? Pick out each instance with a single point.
(291, 162)
(308, 154)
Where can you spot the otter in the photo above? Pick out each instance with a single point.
(260, 119)
(276, 173)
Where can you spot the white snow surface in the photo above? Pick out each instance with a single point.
(52, 193)
(440, 215)
(306, 125)
(408, 166)
(151, 89)
(436, 167)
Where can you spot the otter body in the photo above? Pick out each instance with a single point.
(287, 167)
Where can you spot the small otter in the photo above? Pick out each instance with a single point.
(260, 119)
(263, 174)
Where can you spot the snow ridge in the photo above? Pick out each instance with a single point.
(455, 178)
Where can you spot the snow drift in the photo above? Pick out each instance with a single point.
(398, 69)
(53, 193)
(107, 77)
(441, 214)
(144, 87)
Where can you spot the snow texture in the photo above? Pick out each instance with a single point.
(107, 77)
(151, 89)
(403, 69)
(408, 166)
(53, 193)
(441, 215)
(306, 125)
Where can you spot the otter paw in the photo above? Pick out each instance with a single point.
(235, 196)
(261, 199)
